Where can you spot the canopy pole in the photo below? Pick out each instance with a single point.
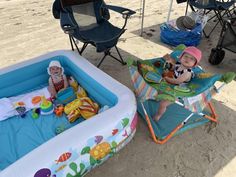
(141, 34)
(170, 8)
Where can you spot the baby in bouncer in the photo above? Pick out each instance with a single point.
(57, 80)
(182, 72)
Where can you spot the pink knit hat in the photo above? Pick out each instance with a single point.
(195, 52)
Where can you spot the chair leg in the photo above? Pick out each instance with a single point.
(188, 5)
(120, 59)
(83, 48)
(186, 10)
(70, 37)
(213, 116)
(220, 21)
(218, 15)
(75, 44)
(72, 40)
(105, 54)
(157, 141)
(208, 35)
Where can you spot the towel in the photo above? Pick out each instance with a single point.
(6, 109)
(8, 105)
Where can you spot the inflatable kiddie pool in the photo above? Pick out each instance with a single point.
(31, 148)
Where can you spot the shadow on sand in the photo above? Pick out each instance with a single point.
(202, 151)
(152, 33)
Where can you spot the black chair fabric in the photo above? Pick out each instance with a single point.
(87, 21)
(219, 7)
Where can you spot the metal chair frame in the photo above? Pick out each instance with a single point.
(218, 16)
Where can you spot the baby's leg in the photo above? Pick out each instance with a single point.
(162, 109)
(52, 91)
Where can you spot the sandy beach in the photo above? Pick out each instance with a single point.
(28, 29)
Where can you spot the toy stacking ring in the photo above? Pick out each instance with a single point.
(36, 99)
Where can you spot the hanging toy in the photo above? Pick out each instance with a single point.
(20, 108)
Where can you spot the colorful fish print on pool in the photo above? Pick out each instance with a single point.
(60, 168)
(134, 122)
(77, 173)
(63, 157)
(114, 132)
(97, 150)
(98, 139)
(44, 172)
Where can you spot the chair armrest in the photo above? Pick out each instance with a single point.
(124, 11)
(56, 9)
(66, 23)
(204, 4)
(68, 29)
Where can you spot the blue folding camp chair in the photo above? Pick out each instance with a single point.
(87, 21)
(189, 103)
(219, 7)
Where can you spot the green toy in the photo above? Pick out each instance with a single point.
(46, 107)
(180, 47)
(182, 89)
(153, 77)
(228, 77)
(130, 62)
(60, 129)
(35, 113)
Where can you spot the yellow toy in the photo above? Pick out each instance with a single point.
(73, 83)
(88, 108)
(147, 67)
(204, 75)
(81, 92)
(73, 116)
(72, 106)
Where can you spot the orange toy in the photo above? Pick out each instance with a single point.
(20, 103)
(36, 100)
(59, 110)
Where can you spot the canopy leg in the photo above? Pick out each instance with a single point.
(143, 9)
(170, 8)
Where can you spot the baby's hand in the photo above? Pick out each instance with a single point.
(166, 78)
(169, 80)
(167, 57)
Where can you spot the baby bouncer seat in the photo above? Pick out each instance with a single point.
(189, 100)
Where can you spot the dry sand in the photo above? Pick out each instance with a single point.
(28, 29)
